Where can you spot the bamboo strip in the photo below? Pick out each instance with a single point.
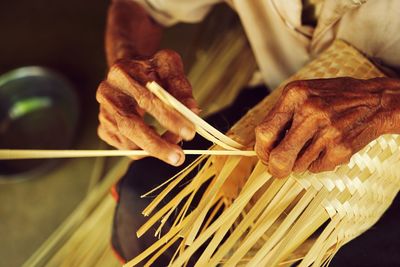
(13, 154)
(53, 245)
(202, 127)
(230, 213)
(158, 215)
(284, 227)
(274, 212)
(157, 245)
(275, 222)
(252, 186)
(174, 182)
(202, 210)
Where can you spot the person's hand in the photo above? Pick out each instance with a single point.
(319, 124)
(124, 100)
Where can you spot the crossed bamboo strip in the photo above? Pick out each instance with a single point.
(245, 217)
(230, 147)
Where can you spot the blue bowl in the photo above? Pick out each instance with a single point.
(39, 109)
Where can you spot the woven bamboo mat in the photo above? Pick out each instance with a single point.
(245, 217)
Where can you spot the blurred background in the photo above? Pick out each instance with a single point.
(67, 37)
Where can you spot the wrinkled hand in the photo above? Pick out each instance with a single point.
(319, 124)
(124, 100)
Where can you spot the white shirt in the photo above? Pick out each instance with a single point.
(282, 45)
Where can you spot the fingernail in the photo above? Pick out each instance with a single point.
(187, 133)
(174, 158)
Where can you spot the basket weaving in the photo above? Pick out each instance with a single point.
(246, 217)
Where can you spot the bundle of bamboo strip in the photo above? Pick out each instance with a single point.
(245, 217)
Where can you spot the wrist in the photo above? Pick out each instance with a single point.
(130, 32)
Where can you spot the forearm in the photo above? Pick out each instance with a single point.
(130, 32)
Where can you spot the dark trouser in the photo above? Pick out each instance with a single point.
(380, 246)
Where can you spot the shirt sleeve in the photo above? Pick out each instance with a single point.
(374, 29)
(170, 12)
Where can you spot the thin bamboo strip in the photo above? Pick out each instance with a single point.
(274, 212)
(276, 224)
(284, 227)
(209, 232)
(205, 205)
(202, 127)
(252, 186)
(161, 251)
(231, 212)
(157, 245)
(308, 223)
(158, 215)
(55, 242)
(246, 222)
(13, 154)
(174, 181)
(230, 49)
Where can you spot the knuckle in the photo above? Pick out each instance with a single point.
(168, 54)
(295, 92)
(100, 116)
(259, 130)
(328, 135)
(295, 87)
(180, 85)
(101, 133)
(101, 91)
(115, 70)
(262, 155)
(169, 63)
(314, 111)
(262, 133)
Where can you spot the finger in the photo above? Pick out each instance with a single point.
(283, 157)
(164, 114)
(331, 158)
(170, 69)
(107, 120)
(172, 138)
(169, 62)
(135, 129)
(310, 154)
(181, 89)
(113, 100)
(117, 141)
(109, 124)
(108, 137)
(268, 133)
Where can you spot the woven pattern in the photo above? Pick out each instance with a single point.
(245, 217)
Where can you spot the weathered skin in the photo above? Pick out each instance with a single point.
(132, 39)
(315, 125)
(319, 124)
